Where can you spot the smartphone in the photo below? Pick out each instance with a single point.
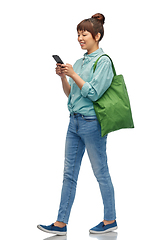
(57, 59)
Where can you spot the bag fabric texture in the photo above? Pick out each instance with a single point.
(113, 109)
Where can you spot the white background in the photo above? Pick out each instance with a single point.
(34, 117)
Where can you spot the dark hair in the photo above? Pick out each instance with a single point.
(94, 25)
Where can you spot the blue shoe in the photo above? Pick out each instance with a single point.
(101, 228)
(53, 229)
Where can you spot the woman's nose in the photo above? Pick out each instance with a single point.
(80, 38)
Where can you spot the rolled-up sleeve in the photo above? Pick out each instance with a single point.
(101, 80)
(85, 89)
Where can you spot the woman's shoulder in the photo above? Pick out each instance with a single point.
(103, 58)
(103, 61)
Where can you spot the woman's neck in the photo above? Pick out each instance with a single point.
(95, 48)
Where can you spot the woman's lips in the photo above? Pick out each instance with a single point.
(82, 44)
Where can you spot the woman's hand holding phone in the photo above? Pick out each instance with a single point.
(63, 70)
(68, 70)
(59, 70)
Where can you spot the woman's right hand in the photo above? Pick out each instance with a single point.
(59, 70)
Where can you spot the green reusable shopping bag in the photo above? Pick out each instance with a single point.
(113, 109)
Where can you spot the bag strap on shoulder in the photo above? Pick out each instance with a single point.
(113, 68)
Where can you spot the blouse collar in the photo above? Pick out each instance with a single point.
(94, 54)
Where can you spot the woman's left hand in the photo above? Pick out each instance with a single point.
(67, 70)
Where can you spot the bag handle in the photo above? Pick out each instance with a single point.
(95, 65)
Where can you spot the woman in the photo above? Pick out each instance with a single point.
(84, 131)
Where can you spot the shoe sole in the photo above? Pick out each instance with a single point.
(52, 232)
(108, 230)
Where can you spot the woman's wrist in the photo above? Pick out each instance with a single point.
(63, 78)
(74, 75)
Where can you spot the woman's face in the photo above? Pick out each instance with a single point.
(87, 42)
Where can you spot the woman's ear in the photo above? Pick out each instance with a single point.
(97, 37)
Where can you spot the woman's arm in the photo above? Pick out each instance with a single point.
(68, 70)
(65, 84)
(100, 82)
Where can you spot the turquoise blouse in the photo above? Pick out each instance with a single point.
(81, 100)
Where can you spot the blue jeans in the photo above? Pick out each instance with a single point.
(84, 132)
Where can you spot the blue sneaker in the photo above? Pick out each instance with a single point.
(53, 229)
(101, 228)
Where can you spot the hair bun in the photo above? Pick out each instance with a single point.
(99, 17)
